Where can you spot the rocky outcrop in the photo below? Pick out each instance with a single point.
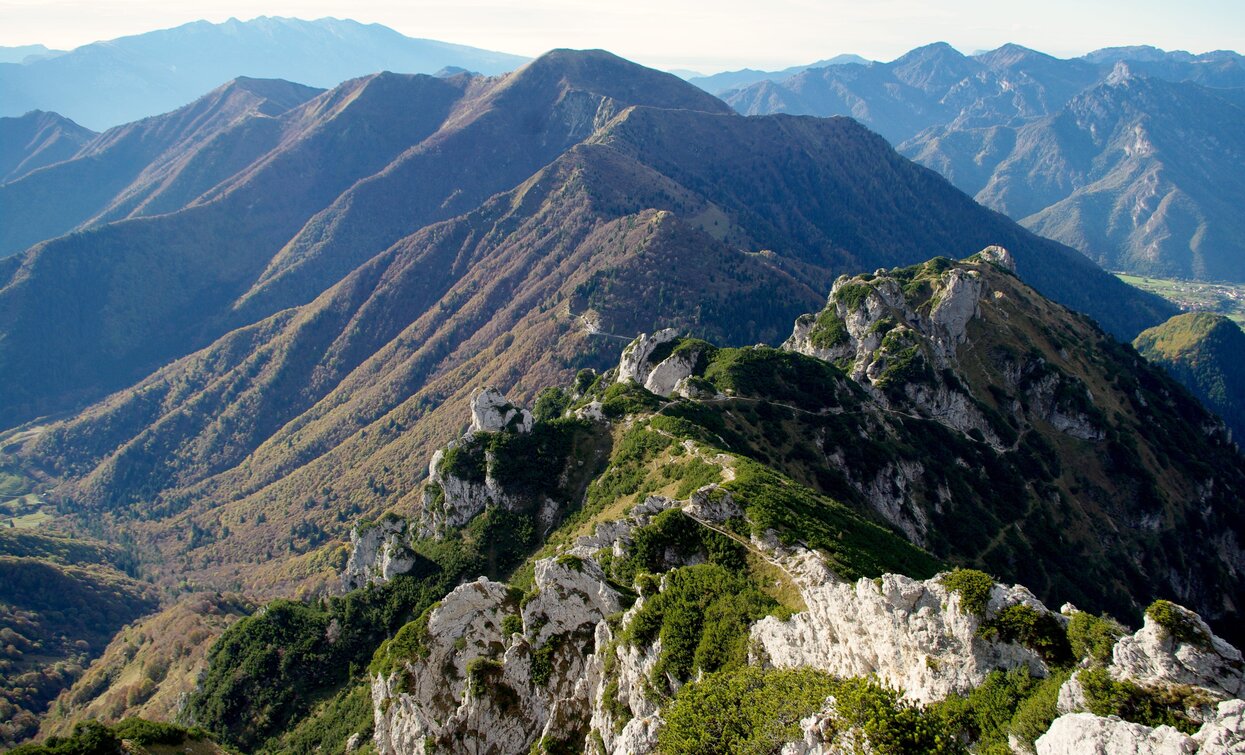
(1225, 733)
(461, 484)
(1188, 654)
(898, 332)
(1087, 734)
(663, 371)
(452, 500)
(999, 256)
(378, 552)
(472, 680)
(1078, 733)
(636, 363)
(491, 412)
(912, 635)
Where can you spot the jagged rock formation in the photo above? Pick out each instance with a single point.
(1075, 733)
(491, 412)
(1180, 651)
(914, 635)
(1087, 733)
(378, 552)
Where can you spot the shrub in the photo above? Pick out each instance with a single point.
(550, 404)
(1093, 637)
(753, 710)
(1037, 630)
(1178, 622)
(1151, 707)
(972, 586)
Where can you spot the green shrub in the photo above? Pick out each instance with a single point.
(479, 671)
(1151, 707)
(1037, 630)
(828, 330)
(622, 399)
(88, 738)
(542, 663)
(972, 586)
(512, 624)
(853, 294)
(753, 710)
(1178, 622)
(702, 616)
(551, 403)
(1035, 715)
(144, 732)
(1093, 637)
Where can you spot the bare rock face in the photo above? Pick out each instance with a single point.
(491, 412)
(1190, 654)
(473, 682)
(451, 501)
(999, 256)
(378, 553)
(913, 635)
(1225, 733)
(636, 363)
(1087, 734)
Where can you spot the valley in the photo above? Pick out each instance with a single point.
(1227, 299)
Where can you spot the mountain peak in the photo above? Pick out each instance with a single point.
(604, 73)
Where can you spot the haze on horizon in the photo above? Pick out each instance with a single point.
(683, 34)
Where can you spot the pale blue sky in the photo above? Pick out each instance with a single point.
(706, 36)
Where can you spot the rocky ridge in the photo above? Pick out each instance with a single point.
(564, 664)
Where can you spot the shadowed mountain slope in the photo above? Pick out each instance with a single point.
(36, 139)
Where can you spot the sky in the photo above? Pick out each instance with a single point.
(685, 34)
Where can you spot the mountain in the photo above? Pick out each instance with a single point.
(303, 381)
(1203, 352)
(1127, 154)
(1121, 172)
(35, 140)
(239, 379)
(150, 167)
(682, 545)
(23, 53)
(725, 81)
(104, 84)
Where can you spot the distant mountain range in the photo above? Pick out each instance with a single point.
(104, 84)
(728, 80)
(1133, 155)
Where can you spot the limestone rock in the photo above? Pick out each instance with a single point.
(1087, 734)
(1153, 656)
(913, 635)
(635, 363)
(1224, 734)
(999, 256)
(491, 412)
(674, 369)
(378, 553)
(473, 682)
